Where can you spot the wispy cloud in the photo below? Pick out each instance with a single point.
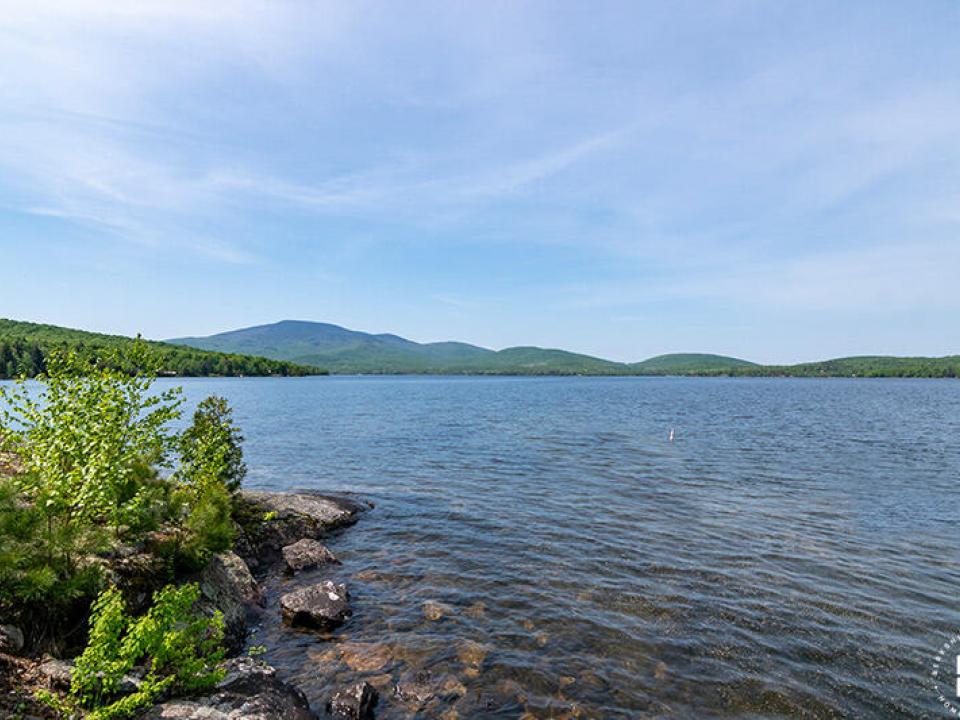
(790, 158)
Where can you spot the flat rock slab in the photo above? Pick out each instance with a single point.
(307, 554)
(323, 606)
(270, 521)
(250, 691)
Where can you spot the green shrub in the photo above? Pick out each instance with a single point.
(210, 449)
(93, 440)
(40, 577)
(179, 648)
(89, 437)
(206, 527)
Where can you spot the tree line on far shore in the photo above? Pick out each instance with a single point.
(864, 367)
(25, 348)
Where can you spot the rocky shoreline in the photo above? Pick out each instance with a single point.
(278, 534)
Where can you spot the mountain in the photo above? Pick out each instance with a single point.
(24, 347)
(295, 347)
(690, 363)
(338, 349)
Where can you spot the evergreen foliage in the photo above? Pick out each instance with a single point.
(210, 449)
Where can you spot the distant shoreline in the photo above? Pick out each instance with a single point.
(297, 348)
(561, 375)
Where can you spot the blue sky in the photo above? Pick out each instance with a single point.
(778, 181)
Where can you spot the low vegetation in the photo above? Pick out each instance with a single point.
(94, 473)
(178, 648)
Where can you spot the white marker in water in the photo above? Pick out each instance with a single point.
(671, 434)
(958, 676)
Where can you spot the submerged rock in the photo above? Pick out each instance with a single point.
(306, 554)
(381, 682)
(433, 610)
(477, 610)
(250, 691)
(420, 688)
(365, 657)
(270, 521)
(415, 687)
(11, 639)
(228, 586)
(354, 703)
(471, 653)
(323, 606)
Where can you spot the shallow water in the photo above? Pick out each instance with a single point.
(791, 553)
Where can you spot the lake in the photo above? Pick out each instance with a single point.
(792, 552)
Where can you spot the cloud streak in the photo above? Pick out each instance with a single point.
(741, 155)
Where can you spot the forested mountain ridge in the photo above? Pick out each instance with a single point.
(307, 348)
(342, 350)
(24, 347)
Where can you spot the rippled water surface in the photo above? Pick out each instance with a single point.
(792, 553)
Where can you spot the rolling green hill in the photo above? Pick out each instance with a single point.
(695, 363)
(24, 347)
(307, 348)
(348, 351)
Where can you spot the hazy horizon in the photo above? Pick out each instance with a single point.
(775, 182)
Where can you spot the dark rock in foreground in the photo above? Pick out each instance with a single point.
(306, 554)
(227, 585)
(270, 521)
(353, 703)
(324, 606)
(250, 691)
(11, 639)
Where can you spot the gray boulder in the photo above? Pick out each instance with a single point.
(324, 606)
(57, 673)
(270, 521)
(228, 586)
(251, 690)
(11, 639)
(355, 702)
(306, 554)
